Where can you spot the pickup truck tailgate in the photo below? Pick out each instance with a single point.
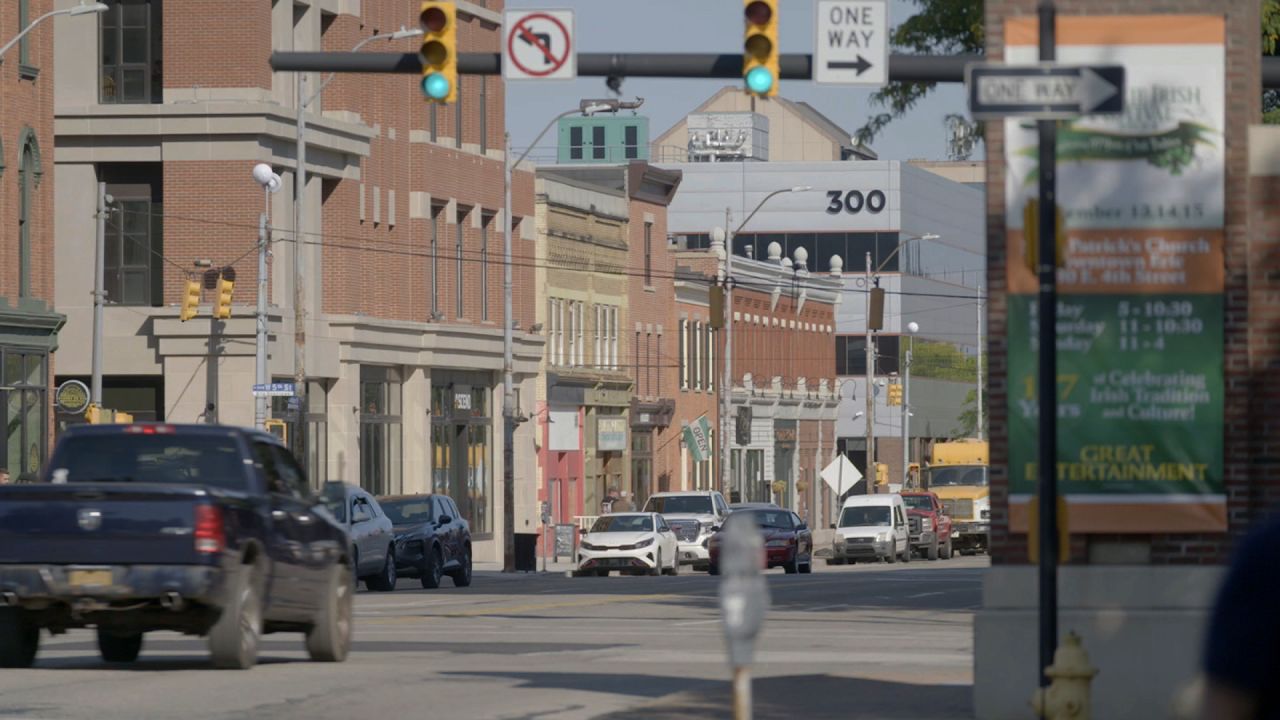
(99, 523)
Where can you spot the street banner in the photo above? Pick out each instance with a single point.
(697, 437)
(1140, 281)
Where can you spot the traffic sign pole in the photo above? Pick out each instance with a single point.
(1046, 468)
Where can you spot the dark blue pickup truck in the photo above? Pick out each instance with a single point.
(200, 529)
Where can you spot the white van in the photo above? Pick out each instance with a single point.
(872, 527)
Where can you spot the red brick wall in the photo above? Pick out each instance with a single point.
(216, 45)
(1249, 484)
(26, 103)
(211, 210)
(653, 304)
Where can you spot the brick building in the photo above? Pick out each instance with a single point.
(401, 237)
(29, 327)
(1142, 570)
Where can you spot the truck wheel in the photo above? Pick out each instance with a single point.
(119, 647)
(906, 556)
(233, 640)
(946, 550)
(329, 639)
(384, 581)
(933, 550)
(19, 639)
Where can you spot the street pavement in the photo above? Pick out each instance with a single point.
(867, 641)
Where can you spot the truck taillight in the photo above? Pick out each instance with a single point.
(209, 536)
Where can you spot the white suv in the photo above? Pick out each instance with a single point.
(694, 517)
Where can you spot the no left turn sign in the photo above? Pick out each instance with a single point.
(539, 45)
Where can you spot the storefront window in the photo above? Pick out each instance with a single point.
(755, 488)
(642, 465)
(23, 396)
(380, 425)
(313, 452)
(461, 449)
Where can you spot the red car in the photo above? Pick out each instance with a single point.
(788, 543)
(929, 526)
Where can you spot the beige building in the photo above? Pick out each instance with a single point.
(401, 237)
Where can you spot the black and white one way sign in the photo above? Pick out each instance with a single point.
(852, 43)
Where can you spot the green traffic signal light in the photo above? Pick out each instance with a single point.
(436, 86)
(759, 80)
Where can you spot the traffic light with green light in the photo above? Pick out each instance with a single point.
(190, 300)
(760, 47)
(439, 51)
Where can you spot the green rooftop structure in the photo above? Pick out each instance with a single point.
(604, 139)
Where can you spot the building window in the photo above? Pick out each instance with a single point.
(851, 355)
(461, 450)
(631, 139)
(380, 430)
(435, 122)
(314, 459)
(457, 269)
(613, 338)
(711, 360)
(457, 119)
(24, 19)
(683, 362)
(28, 168)
(484, 108)
(555, 331)
(435, 251)
(597, 335)
(484, 269)
(575, 142)
(131, 52)
(23, 400)
(695, 350)
(648, 253)
(642, 465)
(135, 232)
(598, 146)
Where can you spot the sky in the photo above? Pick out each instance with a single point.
(713, 26)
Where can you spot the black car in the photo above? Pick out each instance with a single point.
(199, 529)
(372, 539)
(432, 539)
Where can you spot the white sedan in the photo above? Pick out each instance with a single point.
(630, 543)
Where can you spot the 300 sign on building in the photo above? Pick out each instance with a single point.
(854, 201)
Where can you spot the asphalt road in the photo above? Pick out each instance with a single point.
(868, 641)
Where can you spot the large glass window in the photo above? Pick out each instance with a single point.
(598, 145)
(132, 51)
(631, 135)
(575, 142)
(24, 399)
(135, 234)
(313, 452)
(642, 465)
(380, 427)
(26, 197)
(462, 451)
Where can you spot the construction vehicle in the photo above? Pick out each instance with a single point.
(958, 472)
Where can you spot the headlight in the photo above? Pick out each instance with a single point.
(777, 542)
(882, 538)
(644, 543)
(926, 524)
(587, 546)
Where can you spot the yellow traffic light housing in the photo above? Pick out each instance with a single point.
(895, 394)
(439, 51)
(222, 304)
(760, 47)
(190, 301)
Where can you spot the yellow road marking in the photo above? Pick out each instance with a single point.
(516, 609)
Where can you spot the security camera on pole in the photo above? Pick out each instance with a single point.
(270, 182)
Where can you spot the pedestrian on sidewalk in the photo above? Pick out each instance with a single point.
(4, 476)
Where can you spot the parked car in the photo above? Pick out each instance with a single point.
(432, 539)
(928, 525)
(373, 556)
(788, 542)
(693, 517)
(872, 527)
(631, 543)
(199, 529)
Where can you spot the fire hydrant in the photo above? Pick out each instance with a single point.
(1067, 697)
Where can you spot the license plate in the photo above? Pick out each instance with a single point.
(88, 578)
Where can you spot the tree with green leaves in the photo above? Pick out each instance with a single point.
(943, 27)
(968, 417)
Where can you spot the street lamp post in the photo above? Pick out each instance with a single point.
(912, 329)
(726, 385)
(299, 266)
(270, 183)
(81, 9)
(508, 347)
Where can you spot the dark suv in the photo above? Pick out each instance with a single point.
(432, 539)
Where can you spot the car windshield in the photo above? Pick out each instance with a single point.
(865, 516)
(958, 475)
(676, 504)
(623, 523)
(775, 519)
(408, 510)
(919, 502)
(335, 498)
(197, 459)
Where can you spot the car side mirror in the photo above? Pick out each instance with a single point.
(444, 520)
(802, 526)
(833, 526)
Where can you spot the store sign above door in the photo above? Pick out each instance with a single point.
(1047, 91)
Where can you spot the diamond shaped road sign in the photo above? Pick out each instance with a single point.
(841, 475)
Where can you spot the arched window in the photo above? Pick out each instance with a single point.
(29, 172)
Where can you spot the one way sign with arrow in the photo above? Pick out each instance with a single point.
(1045, 92)
(852, 42)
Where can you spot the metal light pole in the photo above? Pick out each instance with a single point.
(99, 293)
(726, 387)
(81, 9)
(912, 329)
(979, 397)
(270, 183)
(508, 350)
(299, 266)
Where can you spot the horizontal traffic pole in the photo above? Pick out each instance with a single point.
(904, 68)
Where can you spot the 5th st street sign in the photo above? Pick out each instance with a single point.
(1044, 92)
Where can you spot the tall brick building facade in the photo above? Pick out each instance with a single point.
(1139, 598)
(401, 239)
(28, 324)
